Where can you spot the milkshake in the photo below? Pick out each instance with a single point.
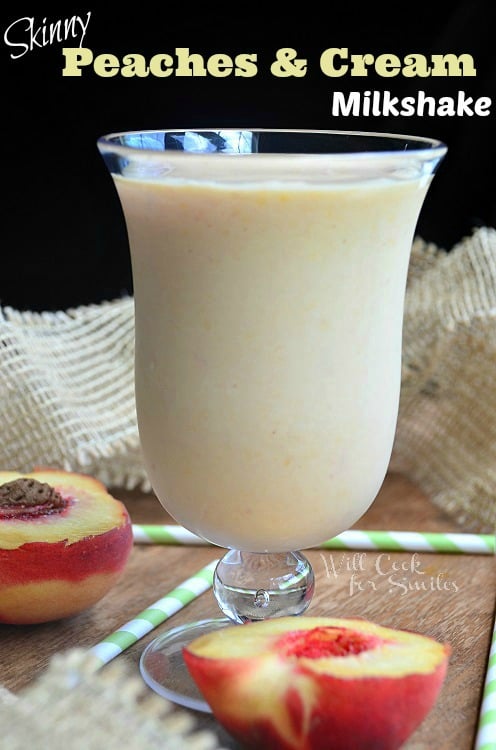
(269, 310)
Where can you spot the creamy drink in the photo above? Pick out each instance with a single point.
(268, 343)
(269, 272)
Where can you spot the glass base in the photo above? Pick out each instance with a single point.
(163, 668)
(248, 586)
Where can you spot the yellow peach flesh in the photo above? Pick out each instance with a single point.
(88, 514)
(401, 652)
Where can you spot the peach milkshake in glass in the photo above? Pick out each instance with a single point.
(269, 272)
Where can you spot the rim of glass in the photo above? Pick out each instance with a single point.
(426, 147)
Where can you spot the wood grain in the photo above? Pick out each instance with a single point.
(449, 597)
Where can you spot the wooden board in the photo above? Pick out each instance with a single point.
(449, 597)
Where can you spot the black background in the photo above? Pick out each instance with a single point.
(64, 240)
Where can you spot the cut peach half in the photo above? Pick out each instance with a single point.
(64, 542)
(310, 683)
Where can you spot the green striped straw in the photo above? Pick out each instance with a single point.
(414, 541)
(486, 733)
(117, 642)
(164, 534)
(354, 539)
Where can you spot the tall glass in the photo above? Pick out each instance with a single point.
(269, 272)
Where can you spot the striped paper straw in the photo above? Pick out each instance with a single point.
(486, 733)
(413, 541)
(117, 642)
(394, 541)
(173, 534)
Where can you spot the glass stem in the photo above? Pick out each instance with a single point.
(252, 586)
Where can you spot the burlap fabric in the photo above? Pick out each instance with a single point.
(71, 705)
(67, 389)
(446, 435)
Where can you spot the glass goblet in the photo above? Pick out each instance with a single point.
(269, 271)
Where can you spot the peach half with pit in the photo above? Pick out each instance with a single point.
(64, 543)
(315, 683)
